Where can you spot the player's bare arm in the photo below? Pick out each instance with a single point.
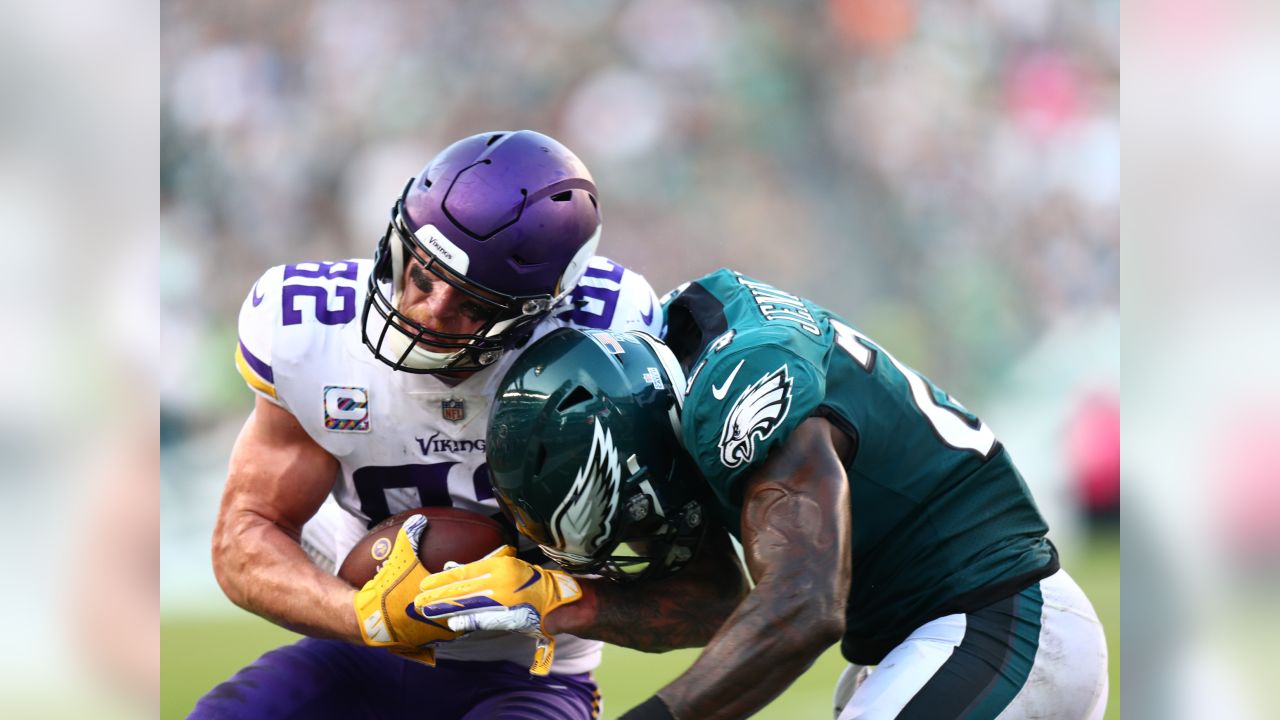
(277, 479)
(796, 537)
(683, 610)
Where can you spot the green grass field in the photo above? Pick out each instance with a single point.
(198, 652)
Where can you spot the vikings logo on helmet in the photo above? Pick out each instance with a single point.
(585, 517)
(754, 416)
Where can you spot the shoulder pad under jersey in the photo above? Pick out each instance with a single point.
(611, 297)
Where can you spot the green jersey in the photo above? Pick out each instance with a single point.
(941, 520)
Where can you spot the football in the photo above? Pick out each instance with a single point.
(451, 535)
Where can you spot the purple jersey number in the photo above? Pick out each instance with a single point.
(430, 480)
(591, 315)
(343, 270)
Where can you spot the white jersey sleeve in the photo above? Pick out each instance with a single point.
(288, 313)
(611, 297)
(259, 318)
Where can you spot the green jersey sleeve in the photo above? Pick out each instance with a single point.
(744, 401)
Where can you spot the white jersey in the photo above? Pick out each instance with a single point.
(403, 440)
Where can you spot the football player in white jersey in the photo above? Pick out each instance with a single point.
(374, 381)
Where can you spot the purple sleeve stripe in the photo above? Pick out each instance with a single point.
(263, 369)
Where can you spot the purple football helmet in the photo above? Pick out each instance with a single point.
(510, 219)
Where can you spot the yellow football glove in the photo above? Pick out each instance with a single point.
(499, 592)
(384, 606)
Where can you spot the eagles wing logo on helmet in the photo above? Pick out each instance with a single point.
(585, 517)
(754, 416)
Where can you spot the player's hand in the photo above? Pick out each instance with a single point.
(499, 592)
(384, 606)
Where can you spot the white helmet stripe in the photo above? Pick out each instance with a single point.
(675, 374)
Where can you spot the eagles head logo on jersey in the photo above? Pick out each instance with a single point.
(585, 517)
(754, 416)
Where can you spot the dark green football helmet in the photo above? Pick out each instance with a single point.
(584, 454)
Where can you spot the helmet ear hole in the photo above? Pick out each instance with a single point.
(578, 396)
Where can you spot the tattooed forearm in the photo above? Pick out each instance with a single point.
(796, 538)
(665, 621)
(681, 611)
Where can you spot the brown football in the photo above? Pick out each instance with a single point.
(451, 535)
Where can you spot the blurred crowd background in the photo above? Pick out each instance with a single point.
(946, 175)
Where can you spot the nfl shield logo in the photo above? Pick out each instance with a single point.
(453, 410)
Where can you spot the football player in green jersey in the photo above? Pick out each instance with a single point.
(873, 509)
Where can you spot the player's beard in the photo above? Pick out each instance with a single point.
(400, 344)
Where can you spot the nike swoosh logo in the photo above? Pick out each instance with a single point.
(532, 580)
(257, 299)
(719, 392)
(413, 614)
(648, 317)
